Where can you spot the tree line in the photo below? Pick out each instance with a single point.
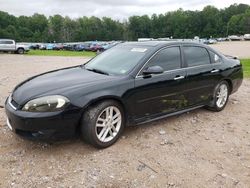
(208, 22)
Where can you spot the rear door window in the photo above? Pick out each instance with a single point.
(196, 56)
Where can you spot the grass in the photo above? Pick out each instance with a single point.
(60, 53)
(246, 67)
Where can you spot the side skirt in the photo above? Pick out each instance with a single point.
(166, 115)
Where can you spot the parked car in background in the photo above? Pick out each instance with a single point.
(234, 37)
(212, 41)
(87, 46)
(221, 39)
(107, 46)
(68, 47)
(96, 47)
(82, 47)
(50, 46)
(42, 47)
(8, 45)
(132, 83)
(58, 47)
(79, 47)
(204, 41)
(34, 47)
(144, 39)
(247, 37)
(76, 46)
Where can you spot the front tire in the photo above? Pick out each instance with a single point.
(103, 123)
(221, 95)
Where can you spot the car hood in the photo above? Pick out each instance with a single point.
(57, 82)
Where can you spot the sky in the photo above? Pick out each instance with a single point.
(116, 9)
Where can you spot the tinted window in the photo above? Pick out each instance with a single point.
(196, 56)
(168, 59)
(6, 42)
(215, 58)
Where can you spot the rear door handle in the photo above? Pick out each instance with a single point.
(214, 70)
(179, 77)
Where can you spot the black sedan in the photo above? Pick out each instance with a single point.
(132, 83)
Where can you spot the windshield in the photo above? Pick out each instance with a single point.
(119, 60)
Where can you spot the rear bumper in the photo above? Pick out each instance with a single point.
(43, 126)
(237, 79)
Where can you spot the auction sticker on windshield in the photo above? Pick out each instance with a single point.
(139, 50)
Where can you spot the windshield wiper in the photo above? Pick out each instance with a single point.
(98, 71)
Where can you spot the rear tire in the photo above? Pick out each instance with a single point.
(20, 51)
(220, 98)
(102, 124)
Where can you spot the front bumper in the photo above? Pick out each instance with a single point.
(46, 125)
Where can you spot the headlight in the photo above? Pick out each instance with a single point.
(46, 104)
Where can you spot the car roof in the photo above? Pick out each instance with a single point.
(145, 43)
(159, 44)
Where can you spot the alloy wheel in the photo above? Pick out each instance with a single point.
(108, 124)
(222, 95)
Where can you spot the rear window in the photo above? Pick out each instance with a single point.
(6, 42)
(196, 56)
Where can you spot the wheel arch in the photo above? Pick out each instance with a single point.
(210, 106)
(19, 49)
(101, 99)
(104, 98)
(230, 84)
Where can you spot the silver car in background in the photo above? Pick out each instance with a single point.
(247, 37)
(8, 45)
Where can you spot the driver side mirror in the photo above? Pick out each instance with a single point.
(153, 70)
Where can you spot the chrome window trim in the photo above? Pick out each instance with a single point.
(183, 68)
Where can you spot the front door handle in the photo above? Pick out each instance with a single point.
(179, 77)
(214, 70)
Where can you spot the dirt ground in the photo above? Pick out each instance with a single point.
(240, 49)
(195, 149)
